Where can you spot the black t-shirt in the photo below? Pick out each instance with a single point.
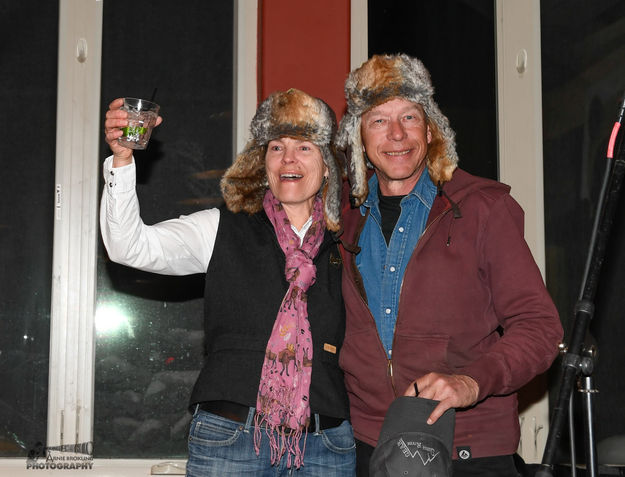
(390, 209)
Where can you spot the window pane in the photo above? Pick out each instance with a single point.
(583, 66)
(27, 148)
(455, 39)
(149, 327)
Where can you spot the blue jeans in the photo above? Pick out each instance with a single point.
(222, 447)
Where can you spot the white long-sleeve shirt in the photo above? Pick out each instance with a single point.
(179, 246)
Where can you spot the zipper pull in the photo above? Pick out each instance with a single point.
(390, 373)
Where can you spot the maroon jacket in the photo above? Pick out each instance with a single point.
(472, 302)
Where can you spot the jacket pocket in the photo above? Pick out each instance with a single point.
(417, 355)
(364, 363)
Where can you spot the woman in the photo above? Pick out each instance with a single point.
(273, 306)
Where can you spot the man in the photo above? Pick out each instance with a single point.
(442, 294)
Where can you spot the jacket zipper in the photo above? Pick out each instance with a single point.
(389, 361)
(354, 269)
(390, 372)
(401, 287)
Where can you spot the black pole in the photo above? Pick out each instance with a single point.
(584, 309)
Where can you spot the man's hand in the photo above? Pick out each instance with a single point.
(452, 390)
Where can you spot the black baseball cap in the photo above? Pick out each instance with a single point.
(410, 447)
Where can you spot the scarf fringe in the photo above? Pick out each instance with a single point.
(280, 441)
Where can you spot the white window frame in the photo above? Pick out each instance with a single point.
(520, 134)
(245, 81)
(77, 191)
(359, 33)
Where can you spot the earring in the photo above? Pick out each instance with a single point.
(323, 184)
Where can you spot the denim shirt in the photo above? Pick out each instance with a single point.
(382, 268)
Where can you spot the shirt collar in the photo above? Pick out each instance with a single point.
(424, 190)
(301, 233)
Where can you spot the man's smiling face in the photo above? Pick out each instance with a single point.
(395, 135)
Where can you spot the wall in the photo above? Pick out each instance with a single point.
(304, 45)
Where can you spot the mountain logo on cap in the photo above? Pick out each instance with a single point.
(421, 451)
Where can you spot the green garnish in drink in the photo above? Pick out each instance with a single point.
(134, 130)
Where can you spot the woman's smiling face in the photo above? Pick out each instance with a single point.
(295, 171)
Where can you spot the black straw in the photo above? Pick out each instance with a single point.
(153, 95)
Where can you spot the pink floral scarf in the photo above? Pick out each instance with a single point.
(283, 396)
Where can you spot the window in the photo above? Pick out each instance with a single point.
(149, 338)
(455, 40)
(94, 326)
(27, 149)
(583, 83)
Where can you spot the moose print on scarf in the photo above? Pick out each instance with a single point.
(285, 357)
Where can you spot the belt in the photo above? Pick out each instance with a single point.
(238, 412)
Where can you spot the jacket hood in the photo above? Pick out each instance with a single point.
(461, 185)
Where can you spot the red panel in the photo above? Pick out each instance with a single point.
(304, 44)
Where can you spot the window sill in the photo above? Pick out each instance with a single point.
(100, 468)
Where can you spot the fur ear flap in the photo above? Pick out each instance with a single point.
(331, 191)
(440, 165)
(244, 183)
(349, 141)
(358, 168)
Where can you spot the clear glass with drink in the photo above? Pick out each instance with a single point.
(142, 115)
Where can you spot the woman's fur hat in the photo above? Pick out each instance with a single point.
(294, 114)
(378, 80)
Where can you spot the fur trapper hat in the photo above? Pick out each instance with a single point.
(293, 114)
(378, 80)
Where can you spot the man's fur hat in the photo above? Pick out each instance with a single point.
(294, 114)
(378, 80)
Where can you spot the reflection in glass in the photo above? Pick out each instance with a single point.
(28, 78)
(583, 78)
(110, 320)
(149, 337)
